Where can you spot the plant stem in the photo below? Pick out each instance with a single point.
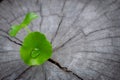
(27, 29)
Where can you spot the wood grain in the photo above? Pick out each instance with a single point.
(85, 35)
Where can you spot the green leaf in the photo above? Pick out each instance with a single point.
(16, 28)
(29, 17)
(36, 49)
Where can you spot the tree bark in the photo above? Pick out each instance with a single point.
(85, 35)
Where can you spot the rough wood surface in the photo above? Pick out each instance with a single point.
(85, 35)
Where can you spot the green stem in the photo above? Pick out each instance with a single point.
(27, 29)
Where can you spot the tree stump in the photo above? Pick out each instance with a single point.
(85, 35)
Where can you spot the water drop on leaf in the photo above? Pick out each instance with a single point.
(35, 53)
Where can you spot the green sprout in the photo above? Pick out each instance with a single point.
(16, 28)
(35, 49)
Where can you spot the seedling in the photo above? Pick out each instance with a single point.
(35, 49)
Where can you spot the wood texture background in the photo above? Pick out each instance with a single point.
(85, 35)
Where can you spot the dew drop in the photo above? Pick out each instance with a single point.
(35, 53)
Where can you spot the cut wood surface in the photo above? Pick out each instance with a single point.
(85, 35)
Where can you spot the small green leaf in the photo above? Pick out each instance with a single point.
(29, 17)
(36, 49)
(16, 28)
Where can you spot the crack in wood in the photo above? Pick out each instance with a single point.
(96, 19)
(4, 78)
(80, 12)
(63, 6)
(56, 48)
(41, 13)
(108, 37)
(64, 68)
(71, 24)
(19, 76)
(44, 72)
(11, 40)
(18, 40)
(57, 30)
(62, 17)
(8, 35)
(106, 28)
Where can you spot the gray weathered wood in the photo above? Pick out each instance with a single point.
(85, 35)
